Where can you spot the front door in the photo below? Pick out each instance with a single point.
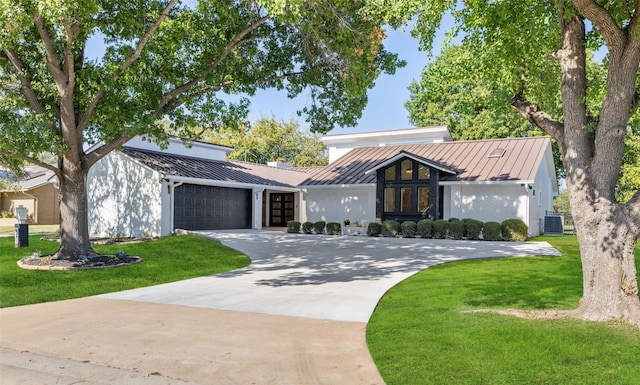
(281, 208)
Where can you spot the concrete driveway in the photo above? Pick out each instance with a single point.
(297, 315)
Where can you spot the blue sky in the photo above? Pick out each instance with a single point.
(385, 109)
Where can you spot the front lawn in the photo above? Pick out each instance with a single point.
(423, 332)
(164, 260)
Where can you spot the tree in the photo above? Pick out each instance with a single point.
(167, 61)
(529, 46)
(269, 140)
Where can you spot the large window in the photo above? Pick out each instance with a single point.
(423, 199)
(405, 199)
(406, 192)
(389, 200)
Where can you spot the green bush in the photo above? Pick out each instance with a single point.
(409, 229)
(392, 227)
(491, 231)
(307, 227)
(514, 230)
(374, 229)
(472, 229)
(293, 227)
(319, 227)
(440, 228)
(456, 228)
(334, 228)
(6, 214)
(425, 228)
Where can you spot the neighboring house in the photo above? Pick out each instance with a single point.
(38, 192)
(402, 175)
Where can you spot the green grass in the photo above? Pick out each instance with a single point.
(9, 231)
(164, 260)
(423, 333)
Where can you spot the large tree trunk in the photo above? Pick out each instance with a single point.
(74, 219)
(610, 284)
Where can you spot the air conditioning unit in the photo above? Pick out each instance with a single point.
(553, 224)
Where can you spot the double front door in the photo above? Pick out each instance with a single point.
(282, 208)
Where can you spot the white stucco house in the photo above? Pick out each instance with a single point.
(398, 174)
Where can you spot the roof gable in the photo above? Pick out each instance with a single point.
(403, 155)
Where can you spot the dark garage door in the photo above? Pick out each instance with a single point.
(211, 208)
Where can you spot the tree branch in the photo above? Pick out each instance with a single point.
(606, 24)
(236, 42)
(26, 86)
(97, 154)
(539, 118)
(52, 59)
(84, 122)
(35, 161)
(217, 87)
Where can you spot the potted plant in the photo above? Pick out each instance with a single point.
(347, 222)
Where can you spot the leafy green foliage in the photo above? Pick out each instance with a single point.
(472, 228)
(491, 231)
(269, 140)
(409, 229)
(392, 228)
(514, 230)
(425, 228)
(319, 226)
(293, 227)
(307, 227)
(456, 229)
(440, 229)
(333, 228)
(374, 229)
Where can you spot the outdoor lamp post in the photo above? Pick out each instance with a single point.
(22, 228)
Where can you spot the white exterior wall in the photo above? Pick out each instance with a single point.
(177, 147)
(124, 198)
(487, 203)
(544, 189)
(334, 204)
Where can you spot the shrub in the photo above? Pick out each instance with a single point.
(514, 230)
(425, 228)
(409, 229)
(440, 228)
(307, 227)
(472, 229)
(374, 229)
(333, 228)
(456, 229)
(6, 214)
(491, 231)
(392, 227)
(319, 227)
(293, 227)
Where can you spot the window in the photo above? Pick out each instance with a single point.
(406, 168)
(405, 199)
(423, 199)
(423, 172)
(389, 199)
(390, 173)
(497, 153)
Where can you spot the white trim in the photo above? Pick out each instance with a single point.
(222, 183)
(307, 186)
(488, 182)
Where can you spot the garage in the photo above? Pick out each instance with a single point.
(198, 207)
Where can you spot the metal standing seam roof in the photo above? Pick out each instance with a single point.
(206, 169)
(470, 160)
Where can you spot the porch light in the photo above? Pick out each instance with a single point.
(21, 214)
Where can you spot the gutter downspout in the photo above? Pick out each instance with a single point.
(172, 188)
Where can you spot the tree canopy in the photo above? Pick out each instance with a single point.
(270, 140)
